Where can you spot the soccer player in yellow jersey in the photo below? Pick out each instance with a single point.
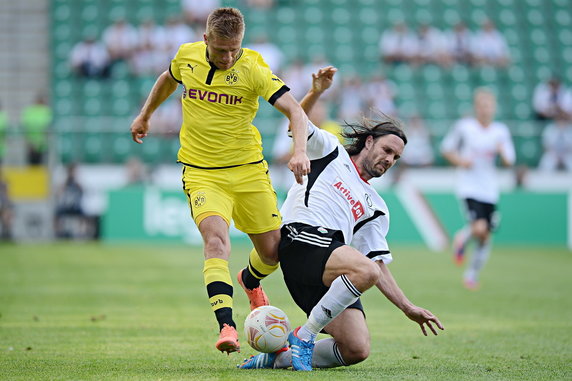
(224, 173)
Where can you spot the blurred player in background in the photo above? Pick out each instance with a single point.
(225, 176)
(336, 207)
(472, 146)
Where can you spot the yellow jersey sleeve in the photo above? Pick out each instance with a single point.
(265, 83)
(174, 69)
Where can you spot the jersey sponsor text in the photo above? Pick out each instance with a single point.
(213, 97)
(357, 207)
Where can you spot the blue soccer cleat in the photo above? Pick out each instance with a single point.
(260, 361)
(302, 352)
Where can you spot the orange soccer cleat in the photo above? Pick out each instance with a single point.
(228, 340)
(256, 296)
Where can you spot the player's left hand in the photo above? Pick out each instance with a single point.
(424, 318)
(299, 164)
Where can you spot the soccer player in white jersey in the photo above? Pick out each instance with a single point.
(333, 208)
(473, 145)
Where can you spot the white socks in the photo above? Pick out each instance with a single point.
(342, 293)
(463, 236)
(478, 260)
(326, 355)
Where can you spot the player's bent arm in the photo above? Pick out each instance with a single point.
(162, 89)
(507, 153)
(455, 159)
(321, 81)
(309, 100)
(288, 106)
(299, 163)
(388, 286)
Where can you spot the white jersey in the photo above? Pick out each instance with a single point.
(480, 145)
(334, 196)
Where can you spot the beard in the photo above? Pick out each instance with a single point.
(374, 171)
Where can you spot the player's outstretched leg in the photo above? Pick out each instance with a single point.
(302, 351)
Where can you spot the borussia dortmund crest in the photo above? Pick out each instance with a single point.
(231, 78)
(199, 200)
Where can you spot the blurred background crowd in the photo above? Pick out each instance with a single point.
(77, 72)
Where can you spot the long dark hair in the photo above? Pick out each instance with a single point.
(357, 133)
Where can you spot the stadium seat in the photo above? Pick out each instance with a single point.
(347, 32)
(93, 148)
(122, 148)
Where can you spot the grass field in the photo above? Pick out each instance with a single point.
(96, 312)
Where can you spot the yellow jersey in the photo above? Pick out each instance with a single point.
(219, 106)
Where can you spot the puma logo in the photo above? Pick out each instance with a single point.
(192, 67)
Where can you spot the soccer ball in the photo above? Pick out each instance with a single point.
(266, 329)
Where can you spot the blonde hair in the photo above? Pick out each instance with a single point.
(227, 23)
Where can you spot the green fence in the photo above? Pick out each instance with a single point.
(151, 215)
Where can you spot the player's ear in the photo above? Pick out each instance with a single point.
(368, 142)
(205, 39)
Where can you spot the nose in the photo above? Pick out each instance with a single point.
(389, 160)
(227, 57)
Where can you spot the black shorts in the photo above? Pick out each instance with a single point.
(478, 210)
(303, 252)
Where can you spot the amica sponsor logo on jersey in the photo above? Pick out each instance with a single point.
(356, 205)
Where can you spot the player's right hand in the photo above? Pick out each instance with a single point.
(299, 164)
(139, 129)
(322, 80)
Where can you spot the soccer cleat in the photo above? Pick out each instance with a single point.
(228, 340)
(261, 360)
(459, 250)
(302, 351)
(256, 296)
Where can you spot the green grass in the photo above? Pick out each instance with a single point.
(97, 312)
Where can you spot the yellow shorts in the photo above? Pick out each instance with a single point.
(243, 194)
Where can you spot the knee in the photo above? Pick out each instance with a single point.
(216, 246)
(482, 235)
(367, 276)
(481, 230)
(356, 352)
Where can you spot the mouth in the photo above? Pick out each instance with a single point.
(382, 168)
(225, 66)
